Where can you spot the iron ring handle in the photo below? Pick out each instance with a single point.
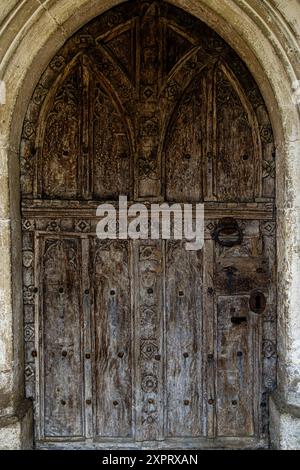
(228, 243)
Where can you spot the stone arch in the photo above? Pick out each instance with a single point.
(267, 39)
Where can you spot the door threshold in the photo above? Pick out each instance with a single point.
(225, 443)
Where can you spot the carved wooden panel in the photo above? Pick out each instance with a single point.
(29, 300)
(244, 294)
(108, 299)
(61, 336)
(112, 330)
(175, 112)
(61, 141)
(184, 150)
(236, 391)
(149, 275)
(184, 381)
(236, 143)
(111, 151)
(144, 341)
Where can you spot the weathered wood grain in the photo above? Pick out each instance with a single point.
(183, 355)
(112, 333)
(142, 343)
(61, 311)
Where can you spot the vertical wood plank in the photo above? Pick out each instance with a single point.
(113, 338)
(39, 249)
(210, 141)
(61, 148)
(184, 146)
(148, 117)
(183, 356)
(235, 156)
(236, 368)
(209, 340)
(63, 379)
(84, 163)
(29, 301)
(87, 337)
(149, 354)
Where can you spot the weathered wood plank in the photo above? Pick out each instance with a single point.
(236, 394)
(149, 352)
(112, 359)
(61, 309)
(183, 355)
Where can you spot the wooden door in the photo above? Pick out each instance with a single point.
(140, 342)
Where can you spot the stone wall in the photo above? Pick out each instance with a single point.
(266, 34)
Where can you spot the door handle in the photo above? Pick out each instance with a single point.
(228, 233)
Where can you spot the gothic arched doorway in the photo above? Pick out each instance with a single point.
(139, 341)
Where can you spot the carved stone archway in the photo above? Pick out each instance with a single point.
(266, 36)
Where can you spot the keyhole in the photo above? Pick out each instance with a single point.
(257, 302)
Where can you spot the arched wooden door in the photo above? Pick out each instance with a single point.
(133, 341)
